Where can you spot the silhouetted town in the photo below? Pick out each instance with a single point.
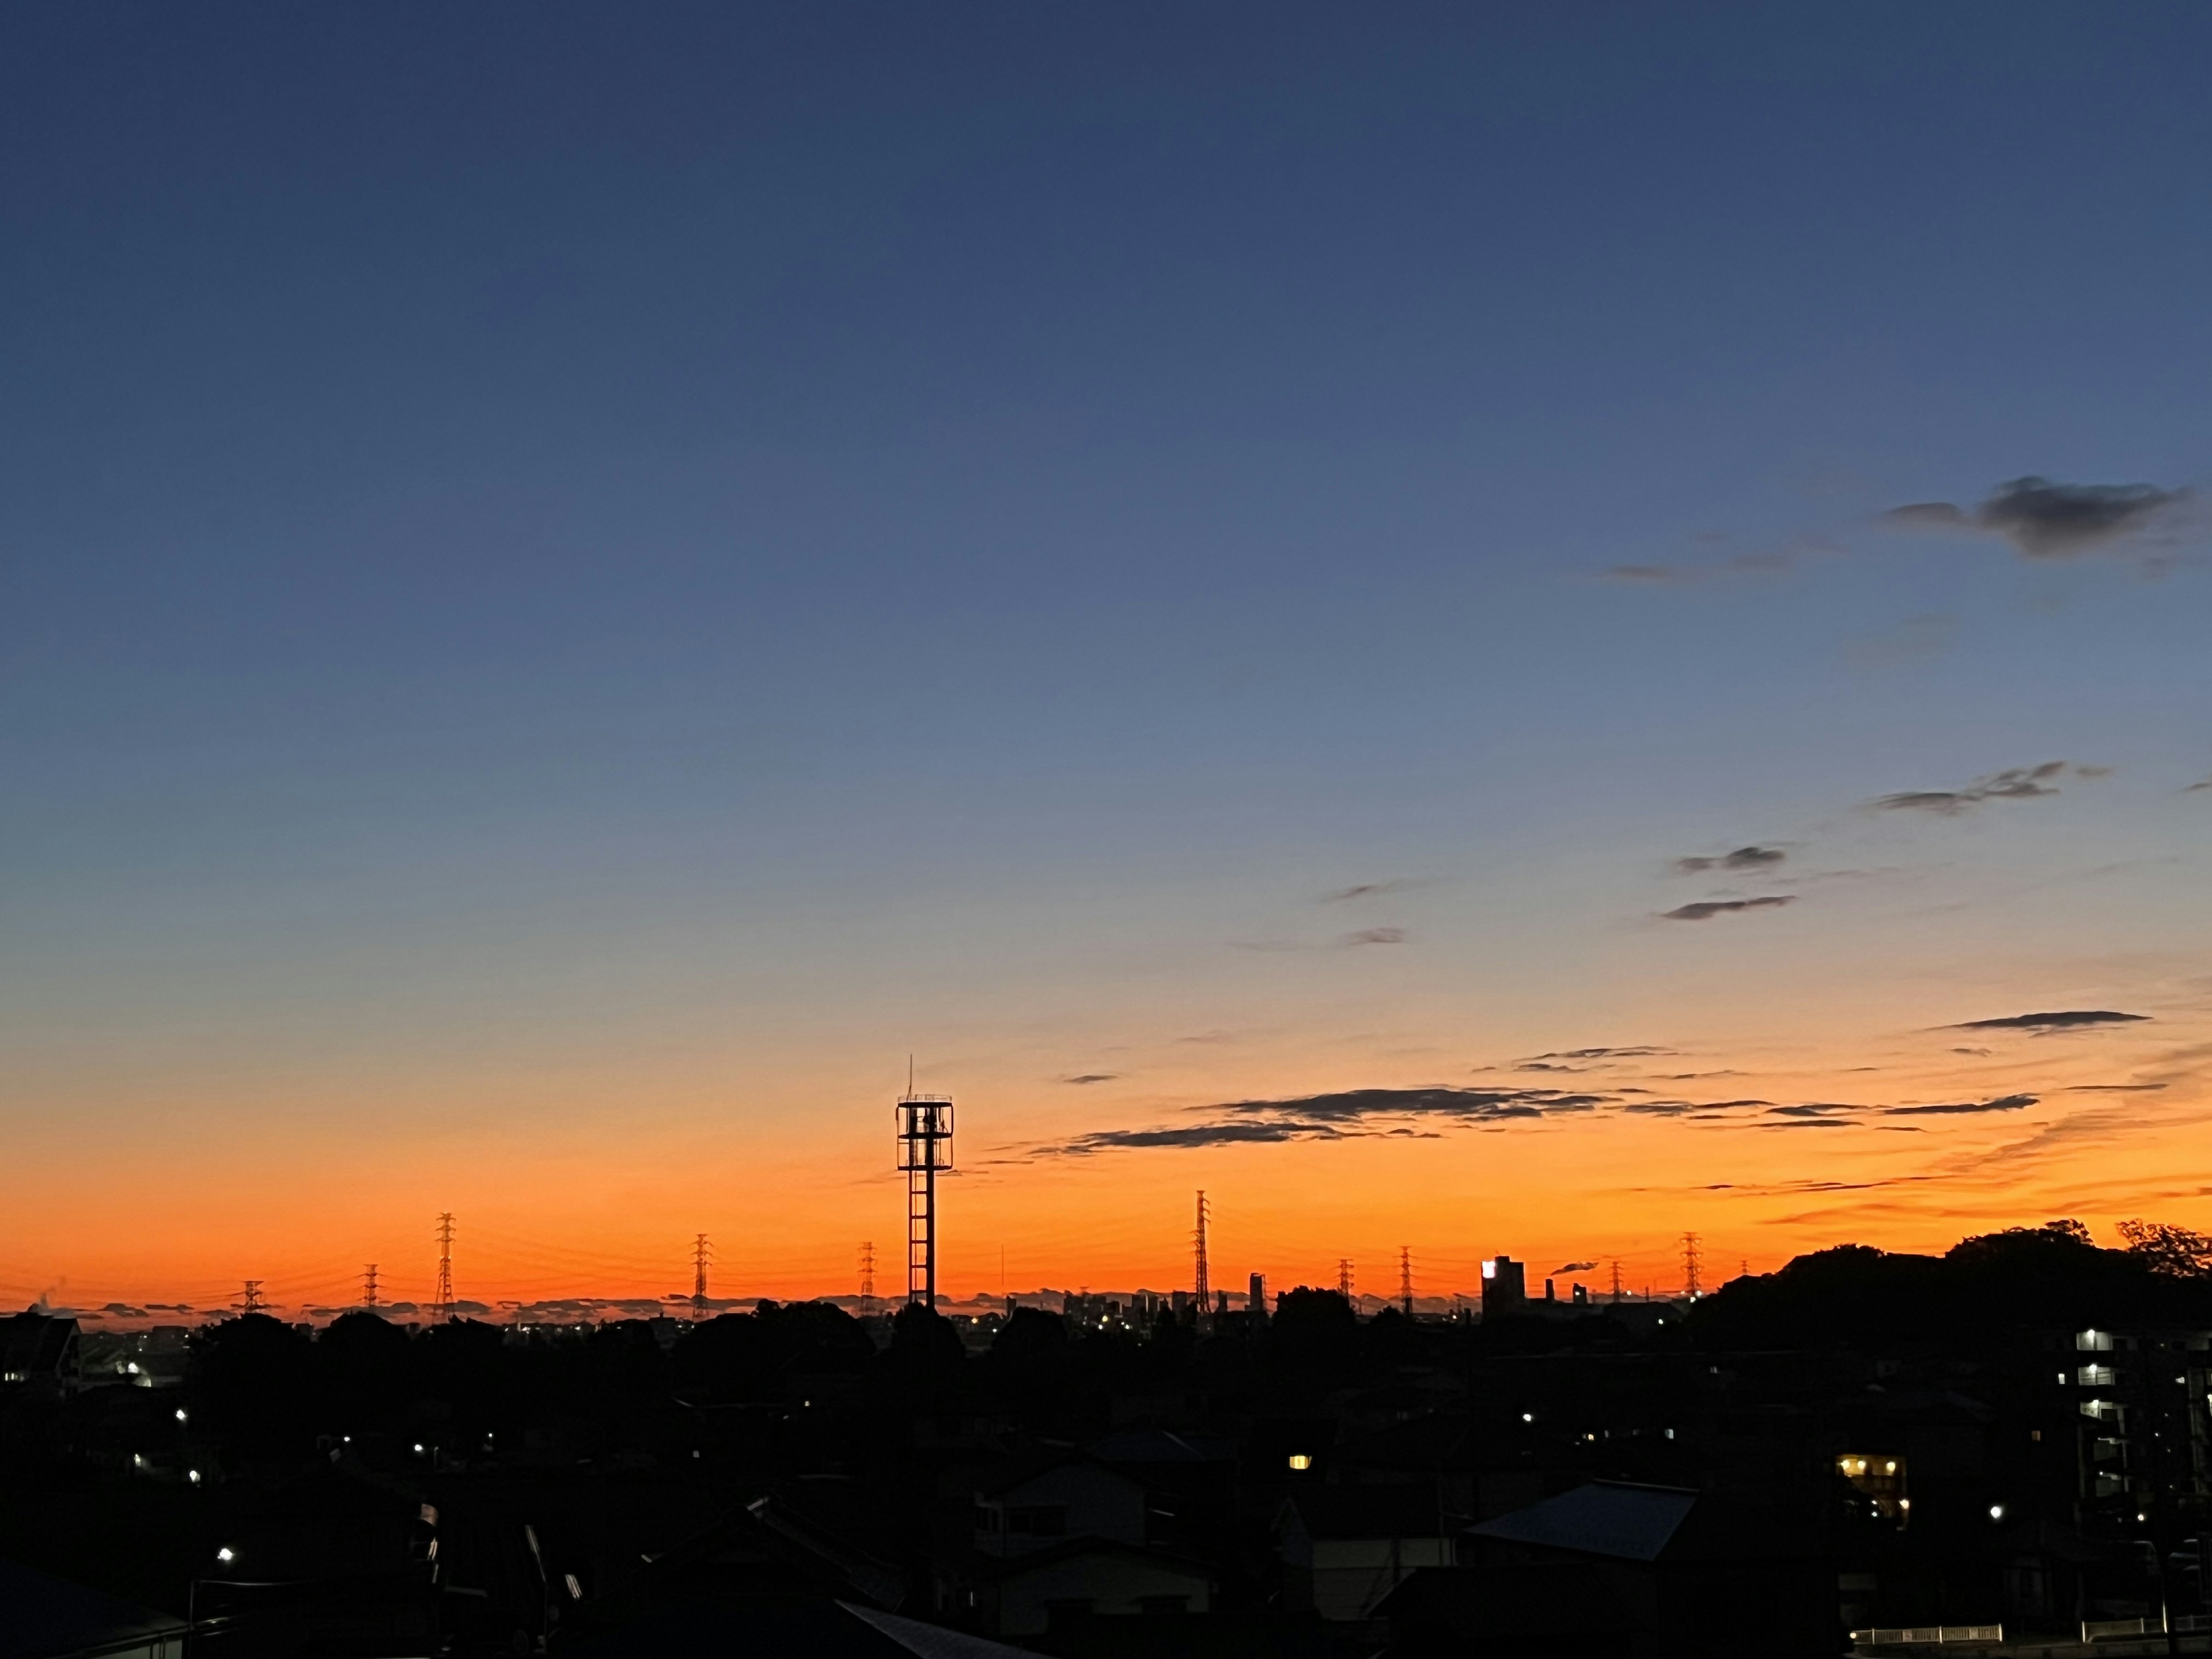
(2005, 1447)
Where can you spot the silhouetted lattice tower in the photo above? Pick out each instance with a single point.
(1405, 1279)
(1616, 1281)
(698, 1254)
(867, 1278)
(1691, 1261)
(443, 1302)
(251, 1303)
(924, 1149)
(1344, 1278)
(369, 1286)
(1202, 1294)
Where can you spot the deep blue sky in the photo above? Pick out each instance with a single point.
(530, 528)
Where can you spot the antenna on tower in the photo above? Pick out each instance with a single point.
(924, 1150)
(251, 1303)
(443, 1302)
(867, 1278)
(1344, 1279)
(1691, 1260)
(368, 1286)
(699, 1254)
(1405, 1279)
(1202, 1294)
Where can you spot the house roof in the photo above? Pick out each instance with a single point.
(994, 1567)
(1161, 1446)
(1021, 1471)
(1605, 1517)
(33, 1343)
(1379, 1512)
(41, 1616)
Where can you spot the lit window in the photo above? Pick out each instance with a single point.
(1301, 1461)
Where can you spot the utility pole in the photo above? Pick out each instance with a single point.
(1405, 1279)
(1344, 1279)
(369, 1287)
(1202, 1294)
(867, 1278)
(253, 1303)
(1691, 1260)
(699, 1253)
(443, 1302)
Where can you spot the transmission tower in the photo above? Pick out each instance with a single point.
(924, 1149)
(1691, 1261)
(368, 1286)
(1616, 1282)
(251, 1303)
(1344, 1277)
(1405, 1279)
(867, 1278)
(1204, 1296)
(699, 1253)
(442, 1304)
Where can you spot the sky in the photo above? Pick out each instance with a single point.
(1474, 628)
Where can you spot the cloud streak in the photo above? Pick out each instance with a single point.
(2014, 783)
(2066, 1019)
(2044, 520)
(1706, 910)
(1744, 858)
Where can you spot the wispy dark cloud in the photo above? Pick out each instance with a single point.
(2195, 788)
(1371, 936)
(2114, 1088)
(2014, 783)
(2068, 1019)
(1466, 1105)
(1574, 1268)
(1762, 562)
(1964, 1108)
(2044, 520)
(1744, 858)
(1185, 1136)
(1092, 1076)
(1367, 889)
(1706, 910)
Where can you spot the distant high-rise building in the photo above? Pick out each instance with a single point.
(1256, 1297)
(1504, 1286)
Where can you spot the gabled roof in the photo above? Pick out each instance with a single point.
(1607, 1517)
(1021, 1471)
(1161, 1446)
(34, 1344)
(1074, 1549)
